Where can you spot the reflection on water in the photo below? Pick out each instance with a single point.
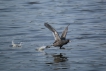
(59, 58)
(23, 21)
(59, 62)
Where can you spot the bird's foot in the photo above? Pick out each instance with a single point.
(62, 48)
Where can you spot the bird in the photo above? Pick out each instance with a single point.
(59, 41)
(16, 45)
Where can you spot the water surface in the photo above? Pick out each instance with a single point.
(23, 21)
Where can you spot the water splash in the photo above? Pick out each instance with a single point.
(16, 45)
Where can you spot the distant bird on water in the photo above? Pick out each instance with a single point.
(16, 45)
(59, 41)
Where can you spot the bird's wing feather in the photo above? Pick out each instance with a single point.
(55, 34)
(64, 33)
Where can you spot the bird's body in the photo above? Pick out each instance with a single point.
(59, 41)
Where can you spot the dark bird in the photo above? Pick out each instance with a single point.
(59, 41)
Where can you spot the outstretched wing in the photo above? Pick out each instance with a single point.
(55, 34)
(63, 36)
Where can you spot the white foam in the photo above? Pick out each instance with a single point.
(41, 48)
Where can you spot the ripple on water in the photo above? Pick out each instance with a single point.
(33, 2)
(89, 36)
(16, 34)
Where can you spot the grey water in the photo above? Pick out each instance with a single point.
(23, 21)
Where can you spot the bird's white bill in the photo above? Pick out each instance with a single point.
(69, 41)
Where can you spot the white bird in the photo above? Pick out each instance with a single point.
(16, 45)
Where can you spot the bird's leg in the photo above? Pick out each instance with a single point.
(62, 47)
